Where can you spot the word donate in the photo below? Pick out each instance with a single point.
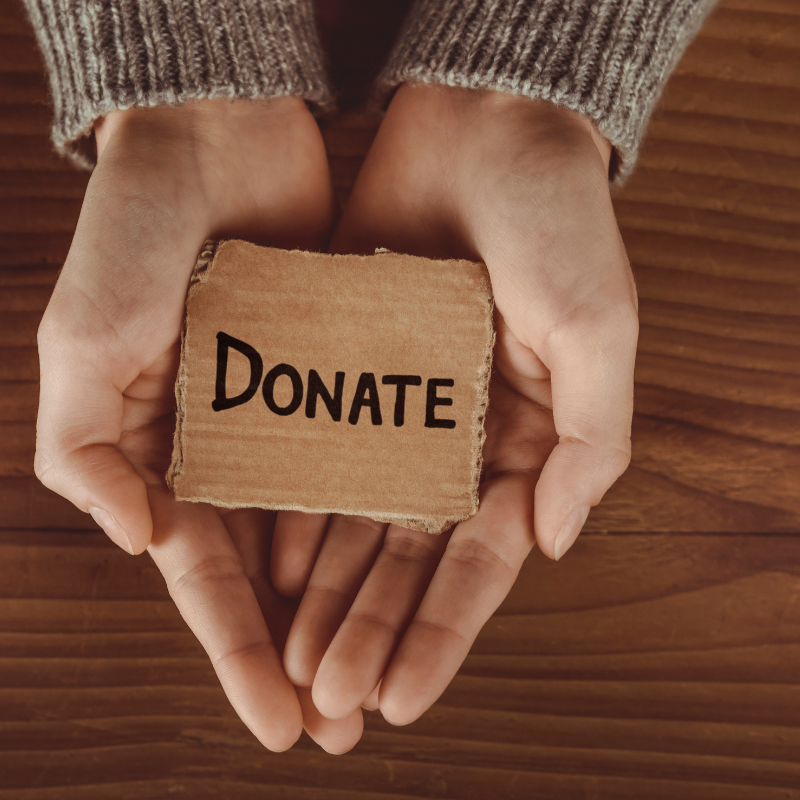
(366, 392)
(335, 384)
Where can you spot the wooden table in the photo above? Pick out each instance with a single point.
(659, 659)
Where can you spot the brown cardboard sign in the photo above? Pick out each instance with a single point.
(328, 383)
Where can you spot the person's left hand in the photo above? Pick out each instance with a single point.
(388, 615)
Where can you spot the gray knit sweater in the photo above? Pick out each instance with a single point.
(606, 59)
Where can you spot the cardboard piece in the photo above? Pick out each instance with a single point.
(348, 384)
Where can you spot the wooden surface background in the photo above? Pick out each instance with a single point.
(659, 659)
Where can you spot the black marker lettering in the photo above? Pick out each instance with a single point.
(269, 389)
(366, 385)
(401, 381)
(432, 400)
(224, 343)
(316, 388)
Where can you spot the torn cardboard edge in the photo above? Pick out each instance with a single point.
(433, 524)
(204, 261)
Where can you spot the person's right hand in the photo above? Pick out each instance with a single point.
(109, 342)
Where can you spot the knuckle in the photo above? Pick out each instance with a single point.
(602, 317)
(64, 469)
(248, 649)
(624, 322)
(42, 468)
(52, 467)
(205, 576)
(335, 594)
(616, 456)
(50, 331)
(620, 457)
(443, 628)
(479, 556)
(355, 521)
(372, 620)
(407, 547)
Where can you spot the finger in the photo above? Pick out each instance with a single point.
(79, 426)
(335, 736)
(295, 545)
(360, 651)
(206, 579)
(477, 570)
(371, 701)
(252, 532)
(348, 551)
(591, 359)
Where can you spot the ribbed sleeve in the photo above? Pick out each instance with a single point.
(104, 55)
(605, 59)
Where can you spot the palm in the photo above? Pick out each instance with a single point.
(520, 433)
(148, 417)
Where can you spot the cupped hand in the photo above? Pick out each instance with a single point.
(167, 179)
(389, 614)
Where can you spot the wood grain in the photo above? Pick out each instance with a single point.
(618, 669)
(658, 660)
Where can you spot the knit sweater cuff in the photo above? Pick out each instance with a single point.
(605, 60)
(116, 54)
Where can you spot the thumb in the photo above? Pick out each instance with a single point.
(79, 426)
(591, 360)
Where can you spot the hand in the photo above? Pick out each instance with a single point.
(389, 615)
(166, 179)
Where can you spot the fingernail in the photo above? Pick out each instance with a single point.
(570, 530)
(113, 529)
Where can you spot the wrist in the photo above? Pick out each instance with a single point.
(201, 121)
(483, 118)
(252, 169)
(547, 123)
